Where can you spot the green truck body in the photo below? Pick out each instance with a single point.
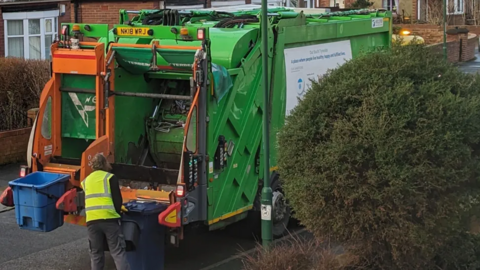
(225, 131)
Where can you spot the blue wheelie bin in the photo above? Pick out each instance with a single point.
(35, 196)
(144, 236)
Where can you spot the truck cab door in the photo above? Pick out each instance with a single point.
(44, 145)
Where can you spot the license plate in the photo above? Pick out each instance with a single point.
(132, 31)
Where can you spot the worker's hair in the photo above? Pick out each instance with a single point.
(100, 163)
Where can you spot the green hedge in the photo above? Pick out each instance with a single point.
(383, 155)
(21, 82)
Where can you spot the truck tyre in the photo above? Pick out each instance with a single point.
(252, 224)
(281, 211)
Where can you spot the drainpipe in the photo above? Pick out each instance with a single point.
(267, 194)
(75, 11)
(445, 30)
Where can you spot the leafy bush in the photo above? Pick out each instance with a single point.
(383, 155)
(358, 4)
(21, 82)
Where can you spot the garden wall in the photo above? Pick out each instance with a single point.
(14, 145)
(460, 48)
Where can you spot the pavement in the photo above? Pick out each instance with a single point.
(66, 248)
(7, 173)
(472, 66)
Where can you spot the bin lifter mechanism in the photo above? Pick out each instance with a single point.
(72, 201)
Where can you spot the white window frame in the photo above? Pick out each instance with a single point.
(456, 11)
(386, 3)
(25, 16)
(427, 9)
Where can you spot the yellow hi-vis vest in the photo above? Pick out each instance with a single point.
(98, 196)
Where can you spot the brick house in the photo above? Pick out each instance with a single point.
(333, 3)
(459, 12)
(28, 27)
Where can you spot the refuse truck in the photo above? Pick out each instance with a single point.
(173, 99)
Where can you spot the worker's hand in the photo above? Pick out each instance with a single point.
(124, 209)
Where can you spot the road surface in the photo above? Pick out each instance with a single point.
(66, 248)
(471, 66)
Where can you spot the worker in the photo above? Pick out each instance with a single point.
(103, 207)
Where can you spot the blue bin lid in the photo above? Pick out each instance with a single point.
(145, 208)
(40, 180)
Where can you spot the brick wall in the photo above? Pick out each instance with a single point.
(107, 12)
(460, 50)
(2, 35)
(31, 7)
(471, 47)
(434, 33)
(414, 11)
(323, 3)
(65, 18)
(88, 12)
(472, 28)
(326, 3)
(348, 3)
(14, 145)
(453, 50)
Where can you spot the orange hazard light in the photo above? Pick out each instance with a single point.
(184, 31)
(171, 216)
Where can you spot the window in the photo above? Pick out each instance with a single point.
(455, 7)
(386, 4)
(46, 128)
(29, 35)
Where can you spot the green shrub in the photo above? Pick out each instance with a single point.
(21, 82)
(383, 155)
(359, 4)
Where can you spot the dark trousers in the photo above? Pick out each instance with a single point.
(111, 231)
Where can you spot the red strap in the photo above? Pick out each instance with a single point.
(67, 202)
(171, 216)
(7, 197)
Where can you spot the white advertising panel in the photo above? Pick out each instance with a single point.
(303, 64)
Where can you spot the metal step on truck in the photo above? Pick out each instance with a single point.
(173, 99)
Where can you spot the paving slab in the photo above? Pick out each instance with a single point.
(5, 208)
(472, 66)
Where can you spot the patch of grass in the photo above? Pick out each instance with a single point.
(301, 254)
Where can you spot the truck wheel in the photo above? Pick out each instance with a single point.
(281, 211)
(281, 215)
